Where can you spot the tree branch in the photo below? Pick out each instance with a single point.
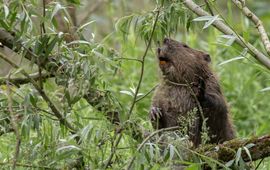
(259, 56)
(79, 162)
(19, 80)
(92, 97)
(258, 23)
(260, 148)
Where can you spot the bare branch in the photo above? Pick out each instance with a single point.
(18, 80)
(146, 94)
(257, 22)
(228, 31)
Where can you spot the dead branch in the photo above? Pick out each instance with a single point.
(228, 31)
(257, 22)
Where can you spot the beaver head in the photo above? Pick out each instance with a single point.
(179, 63)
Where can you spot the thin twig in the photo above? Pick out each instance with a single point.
(147, 138)
(19, 80)
(196, 100)
(14, 126)
(228, 31)
(257, 22)
(137, 88)
(43, 30)
(209, 7)
(146, 94)
(259, 163)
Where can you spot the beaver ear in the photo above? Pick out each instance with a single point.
(207, 58)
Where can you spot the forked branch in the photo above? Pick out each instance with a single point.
(258, 23)
(228, 31)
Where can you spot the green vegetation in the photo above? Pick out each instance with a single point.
(92, 67)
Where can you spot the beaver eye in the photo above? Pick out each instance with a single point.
(207, 58)
(185, 45)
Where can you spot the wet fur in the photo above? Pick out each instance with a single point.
(185, 65)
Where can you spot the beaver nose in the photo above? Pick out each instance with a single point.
(158, 50)
(166, 40)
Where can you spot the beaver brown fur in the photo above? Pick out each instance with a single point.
(187, 84)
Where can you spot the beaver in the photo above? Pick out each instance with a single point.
(189, 85)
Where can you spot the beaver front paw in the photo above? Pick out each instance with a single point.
(155, 113)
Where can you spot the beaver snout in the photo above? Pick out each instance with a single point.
(166, 40)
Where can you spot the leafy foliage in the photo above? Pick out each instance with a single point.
(97, 74)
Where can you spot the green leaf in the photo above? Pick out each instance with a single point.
(68, 148)
(85, 25)
(265, 89)
(51, 45)
(238, 155)
(33, 100)
(151, 150)
(229, 163)
(4, 24)
(74, 1)
(193, 167)
(230, 60)
(78, 42)
(85, 131)
(231, 39)
(6, 11)
(171, 150)
(248, 153)
(250, 145)
(127, 92)
(166, 155)
(57, 7)
(203, 18)
(210, 20)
